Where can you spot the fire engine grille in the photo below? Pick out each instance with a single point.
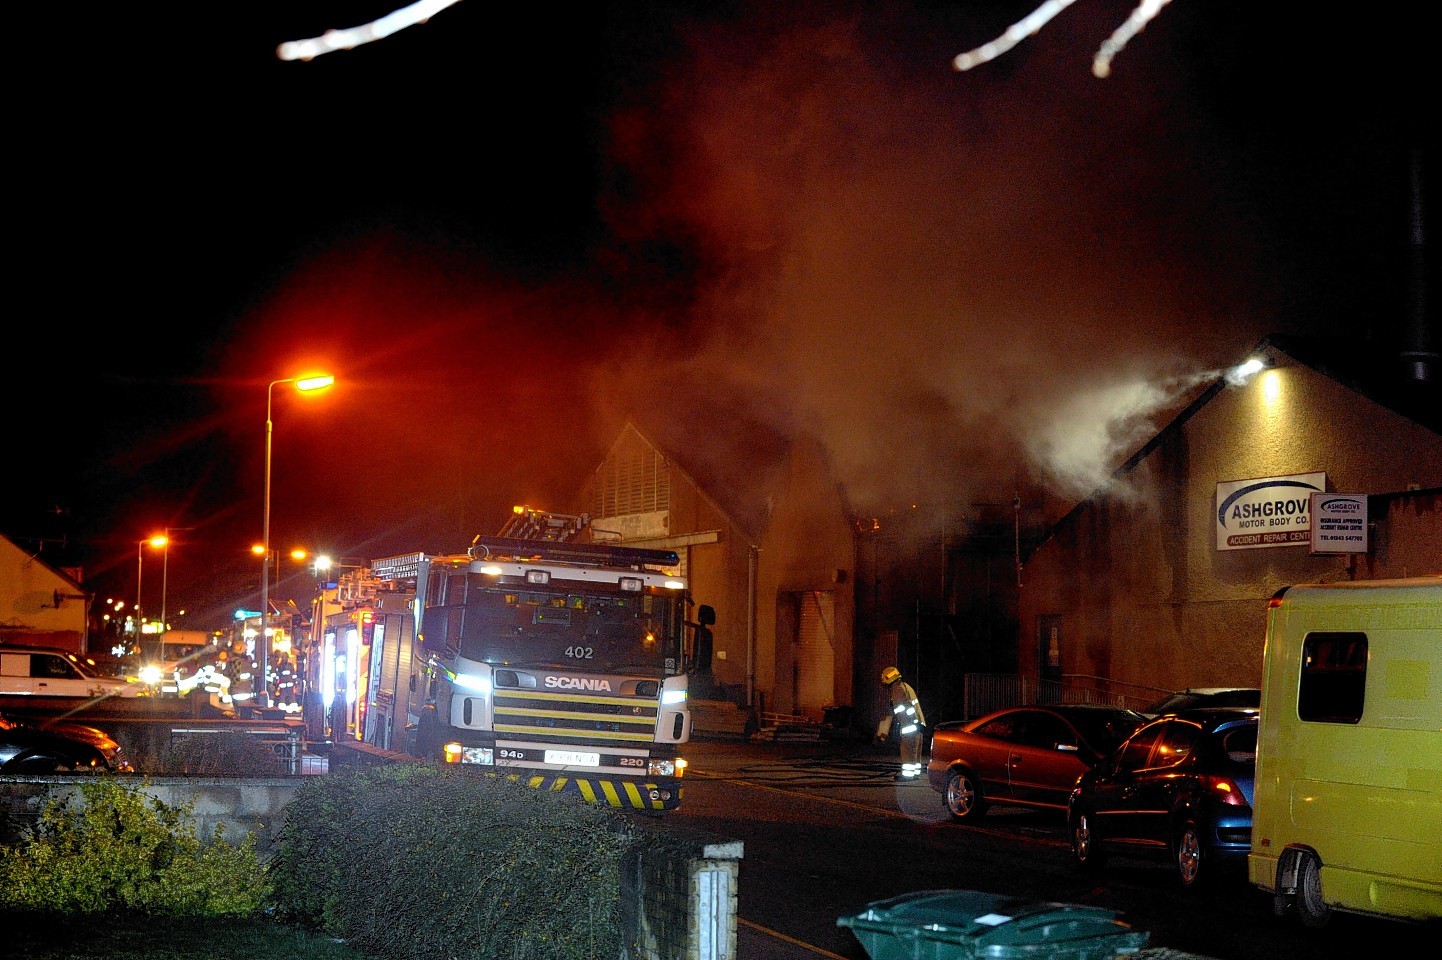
(584, 717)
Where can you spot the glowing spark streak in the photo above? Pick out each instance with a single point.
(351, 37)
(1014, 34)
(1144, 13)
(1135, 24)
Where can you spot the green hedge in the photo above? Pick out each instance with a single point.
(426, 862)
(108, 846)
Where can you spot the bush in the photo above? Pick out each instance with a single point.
(109, 846)
(423, 861)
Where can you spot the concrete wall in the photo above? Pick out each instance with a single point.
(243, 806)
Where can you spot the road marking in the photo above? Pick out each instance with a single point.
(781, 936)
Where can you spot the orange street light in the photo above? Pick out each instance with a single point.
(304, 384)
(157, 542)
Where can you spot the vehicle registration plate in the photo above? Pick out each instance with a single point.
(572, 758)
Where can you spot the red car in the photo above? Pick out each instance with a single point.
(1022, 756)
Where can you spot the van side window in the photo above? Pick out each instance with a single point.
(52, 668)
(1334, 677)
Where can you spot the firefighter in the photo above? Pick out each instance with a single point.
(285, 680)
(909, 723)
(239, 670)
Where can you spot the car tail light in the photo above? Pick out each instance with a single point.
(1228, 792)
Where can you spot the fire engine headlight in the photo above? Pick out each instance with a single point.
(673, 696)
(665, 768)
(471, 681)
(150, 674)
(459, 753)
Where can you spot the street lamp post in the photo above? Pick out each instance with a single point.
(319, 382)
(164, 582)
(157, 542)
(139, 579)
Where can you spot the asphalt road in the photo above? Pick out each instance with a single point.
(827, 831)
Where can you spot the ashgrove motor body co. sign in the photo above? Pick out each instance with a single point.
(1267, 511)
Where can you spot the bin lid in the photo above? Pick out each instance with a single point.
(993, 926)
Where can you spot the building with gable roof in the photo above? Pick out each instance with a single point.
(770, 547)
(1161, 580)
(40, 605)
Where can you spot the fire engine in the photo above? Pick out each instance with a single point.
(534, 655)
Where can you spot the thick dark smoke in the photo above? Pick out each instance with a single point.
(737, 223)
(954, 281)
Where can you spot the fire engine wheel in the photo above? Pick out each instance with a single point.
(962, 796)
(1311, 908)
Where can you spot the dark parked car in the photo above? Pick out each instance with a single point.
(1179, 788)
(58, 747)
(1022, 756)
(1204, 697)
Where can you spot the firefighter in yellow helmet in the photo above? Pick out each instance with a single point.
(907, 718)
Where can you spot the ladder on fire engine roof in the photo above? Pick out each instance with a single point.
(528, 524)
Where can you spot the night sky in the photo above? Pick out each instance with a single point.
(506, 232)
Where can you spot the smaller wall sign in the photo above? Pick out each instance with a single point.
(1267, 511)
(1339, 523)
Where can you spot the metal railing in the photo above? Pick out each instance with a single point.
(985, 692)
(285, 741)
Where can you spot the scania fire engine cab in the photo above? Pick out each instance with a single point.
(557, 662)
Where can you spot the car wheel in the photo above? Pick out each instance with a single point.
(963, 796)
(1086, 851)
(1310, 906)
(1190, 858)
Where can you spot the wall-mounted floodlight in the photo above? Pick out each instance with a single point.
(1239, 375)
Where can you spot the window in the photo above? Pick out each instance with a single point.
(52, 668)
(1176, 742)
(1139, 748)
(1002, 728)
(1046, 732)
(1333, 684)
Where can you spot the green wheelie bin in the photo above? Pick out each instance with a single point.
(972, 925)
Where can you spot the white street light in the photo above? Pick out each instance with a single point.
(318, 382)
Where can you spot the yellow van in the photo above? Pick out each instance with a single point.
(1348, 808)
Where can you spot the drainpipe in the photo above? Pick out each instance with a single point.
(753, 553)
(1417, 356)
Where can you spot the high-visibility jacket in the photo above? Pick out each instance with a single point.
(905, 708)
(905, 711)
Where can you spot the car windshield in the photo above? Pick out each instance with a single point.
(605, 629)
(1181, 700)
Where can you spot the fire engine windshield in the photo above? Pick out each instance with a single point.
(602, 630)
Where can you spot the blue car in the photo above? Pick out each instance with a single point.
(1179, 788)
